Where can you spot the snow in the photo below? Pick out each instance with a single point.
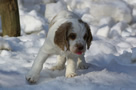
(99, 9)
(103, 31)
(112, 55)
(118, 29)
(4, 45)
(54, 8)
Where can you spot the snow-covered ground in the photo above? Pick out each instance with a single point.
(112, 56)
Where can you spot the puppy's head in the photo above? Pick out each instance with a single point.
(73, 36)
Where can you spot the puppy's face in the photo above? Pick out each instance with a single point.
(73, 36)
(77, 38)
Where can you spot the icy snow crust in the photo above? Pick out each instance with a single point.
(112, 56)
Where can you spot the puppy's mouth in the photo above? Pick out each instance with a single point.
(78, 50)
(79, 53)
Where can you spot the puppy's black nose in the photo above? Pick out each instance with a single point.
(80, 47)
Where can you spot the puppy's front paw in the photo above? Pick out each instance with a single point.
(71, 75)
(83, 66)
(32, 78)
(57, 68)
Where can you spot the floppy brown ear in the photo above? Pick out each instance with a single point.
(89, 36)
(60, 38)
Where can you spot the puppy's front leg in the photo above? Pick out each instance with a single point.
(34, 73)
(71, 67)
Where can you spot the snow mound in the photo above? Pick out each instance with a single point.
(117, 9)
(54, 8)
(31, 22)
(104, 31)
(4, 45)
(117, 29)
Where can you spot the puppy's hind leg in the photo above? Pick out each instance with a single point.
(82, 63)
(60, 63)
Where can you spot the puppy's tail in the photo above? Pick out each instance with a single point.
(53, 8)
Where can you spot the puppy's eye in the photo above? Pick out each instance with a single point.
(72, 36)
(85, 37)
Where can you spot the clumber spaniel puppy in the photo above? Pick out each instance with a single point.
(67, 37)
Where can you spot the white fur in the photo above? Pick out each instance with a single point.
(50, 48)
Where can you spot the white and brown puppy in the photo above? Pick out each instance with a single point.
(67, 37)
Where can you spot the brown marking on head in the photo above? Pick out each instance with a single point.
(88, 36)
(61, 38)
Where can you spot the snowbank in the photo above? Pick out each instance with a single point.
(117, 9)
(31, 22)
(54, 8)
(4, 45)
(32, 16)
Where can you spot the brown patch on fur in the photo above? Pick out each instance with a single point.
(60, 38)
(88, 35)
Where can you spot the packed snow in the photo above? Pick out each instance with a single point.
(112, 55)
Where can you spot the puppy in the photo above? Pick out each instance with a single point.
(67, 37)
